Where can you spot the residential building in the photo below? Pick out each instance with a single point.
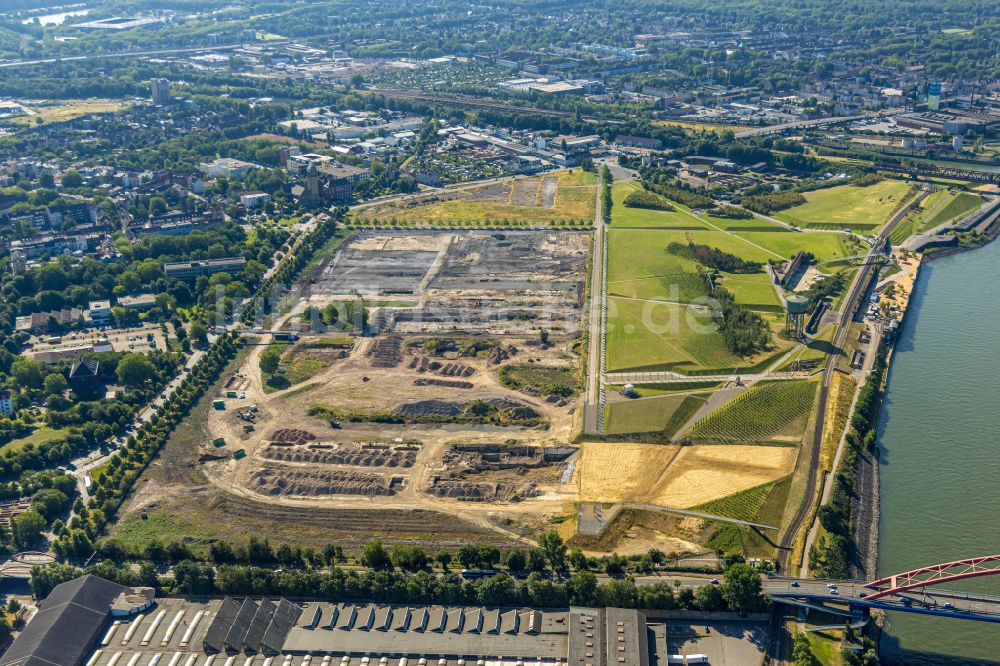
(85, 375)
(254, 199)
(6, 403)
(160, 91)
(38, 322)
(178, 223)
(99, 312)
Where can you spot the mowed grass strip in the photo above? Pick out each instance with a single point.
(759, 414)
(847, 206)
(660, 414)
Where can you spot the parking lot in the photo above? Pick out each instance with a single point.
(724, 643)
(121, 340)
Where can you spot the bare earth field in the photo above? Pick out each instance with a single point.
(679, 477)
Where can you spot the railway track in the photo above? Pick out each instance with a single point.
(850, 306)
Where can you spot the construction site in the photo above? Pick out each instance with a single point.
(474, 282)
(411, 410)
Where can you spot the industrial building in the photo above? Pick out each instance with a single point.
(186, 270)
(98, 623)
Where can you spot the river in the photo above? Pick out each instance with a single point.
(939, 441)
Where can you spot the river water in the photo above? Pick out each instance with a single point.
(940, 440)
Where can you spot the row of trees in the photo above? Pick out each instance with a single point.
(289, 267)
(111, 489)
(740, 592)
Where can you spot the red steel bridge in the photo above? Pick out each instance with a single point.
(916, 591)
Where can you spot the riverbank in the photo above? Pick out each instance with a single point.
(985, 239)
(865, 504)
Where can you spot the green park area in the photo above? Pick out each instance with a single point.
(661, 415)
(939, 207)
(662, 265)
(862, 209)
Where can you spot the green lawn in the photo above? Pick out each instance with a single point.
(639, 266)
(824, 246)
(662, 336)
(134, 533)
(623, 216)
(41, 435)
(756, 291)
(661, 414)
(862, 209)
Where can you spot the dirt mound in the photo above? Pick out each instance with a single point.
(287, 482)
(292, 436)
(430, 408)
(481, 492)
(386, 352)
(356, 456)
(443, 382)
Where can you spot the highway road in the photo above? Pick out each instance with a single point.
(799, 124)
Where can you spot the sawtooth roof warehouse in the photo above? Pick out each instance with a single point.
(95, 622)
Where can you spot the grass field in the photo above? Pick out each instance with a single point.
(639, 266)
(682, 478)
(812, 353)
(63, 110)
(623, 216)
(938, 208)
(692, 126)
(862, 209)
(41, 435)
(838, 410)
(574, 201)
(701, 474)
(665, 336)
(825, 247)
(546, 379)
(615, 472)
(660, 414)
(768, 411)
(296, 367)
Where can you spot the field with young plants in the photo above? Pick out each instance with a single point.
(769, 411)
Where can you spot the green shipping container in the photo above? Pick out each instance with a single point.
(239, 455)
(219, 442)
(230, 394)
(219, 404)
